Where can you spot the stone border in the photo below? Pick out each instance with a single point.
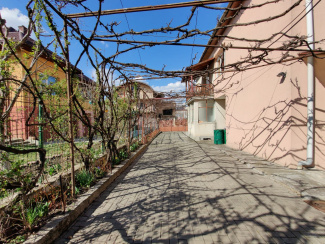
(56, 226)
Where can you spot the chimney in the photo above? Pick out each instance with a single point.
(22, 29)
(2, 21)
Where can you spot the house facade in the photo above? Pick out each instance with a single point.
(155, 110)
(143, 97)
(263, 106)
(204, 110)
(48, 72)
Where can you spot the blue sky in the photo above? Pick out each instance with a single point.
(172, 57)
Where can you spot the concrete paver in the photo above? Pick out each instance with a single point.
(308, 183)
(182, 191)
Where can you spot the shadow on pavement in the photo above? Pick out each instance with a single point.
(181, 191)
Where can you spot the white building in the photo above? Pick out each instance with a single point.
(205, 113)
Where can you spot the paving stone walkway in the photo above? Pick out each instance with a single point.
(182, 191)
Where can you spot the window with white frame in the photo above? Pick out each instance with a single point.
(206, 111)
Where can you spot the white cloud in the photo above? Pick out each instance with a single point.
(116, 79)
(175, 87)
(115, 82)
(141, 79)
(104, 43)
(93, 74)
(14, 17)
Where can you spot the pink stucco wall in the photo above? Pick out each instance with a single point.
(263, 116)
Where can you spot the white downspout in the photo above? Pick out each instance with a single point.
(311, 90)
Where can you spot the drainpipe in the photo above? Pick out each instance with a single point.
(309, 162)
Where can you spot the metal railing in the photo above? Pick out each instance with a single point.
(200, 90)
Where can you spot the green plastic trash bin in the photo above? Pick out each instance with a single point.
(219, 137)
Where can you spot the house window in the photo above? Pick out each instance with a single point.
(51, 80)
(47, 80)
(206, 111)
(168, 112)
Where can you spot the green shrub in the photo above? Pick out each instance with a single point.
(134, 146)
(84, 178)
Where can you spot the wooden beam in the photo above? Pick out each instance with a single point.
(148, 8)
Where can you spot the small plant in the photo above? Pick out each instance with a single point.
(54, 169)
(98, 172)
(77, 191)
(116, 161)
(84, 178)
(36, 212)
(134, 146)
(3, 193)
(14, 177)
(123, 155)
(18, 239)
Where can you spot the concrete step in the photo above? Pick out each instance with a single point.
(21, 142)
(16, 140)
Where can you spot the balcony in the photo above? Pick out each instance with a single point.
(199, 90)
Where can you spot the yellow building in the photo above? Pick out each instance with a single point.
(48, 74)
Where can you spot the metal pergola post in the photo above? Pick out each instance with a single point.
(69, 97)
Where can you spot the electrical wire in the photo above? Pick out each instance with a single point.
(296, 22)
(127, 22)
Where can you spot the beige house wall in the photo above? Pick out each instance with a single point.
(262, 115)
(220, 113)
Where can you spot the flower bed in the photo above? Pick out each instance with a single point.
(52, 200)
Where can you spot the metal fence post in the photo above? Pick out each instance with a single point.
(40, 127)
